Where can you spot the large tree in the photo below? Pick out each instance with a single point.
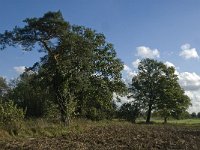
(173, 101)
(145, 85)
(76, 59)
(156, 87)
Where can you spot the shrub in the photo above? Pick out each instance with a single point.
(11, 117)
(129, 111)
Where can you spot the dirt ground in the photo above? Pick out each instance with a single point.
(116, 137)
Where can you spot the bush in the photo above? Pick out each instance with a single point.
(129, 111)
(95, 114)
(51, 111)
(11, 117)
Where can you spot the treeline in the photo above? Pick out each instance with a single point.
(78, 75)
(195, 115)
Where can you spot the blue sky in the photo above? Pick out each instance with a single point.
(165, 30)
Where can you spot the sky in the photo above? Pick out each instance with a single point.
(168, 31)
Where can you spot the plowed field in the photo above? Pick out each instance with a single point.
(116, 137)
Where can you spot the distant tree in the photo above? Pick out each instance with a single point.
(185, 115)
(146, 84)
(193, 115)
(156, 87)
(198, 115)
(172, 102)
(76, 59)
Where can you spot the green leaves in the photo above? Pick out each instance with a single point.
(11, 117)
(76, 57)
(129, 111)
(156, 87)
(173, 100)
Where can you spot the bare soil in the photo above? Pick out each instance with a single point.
(116, 137)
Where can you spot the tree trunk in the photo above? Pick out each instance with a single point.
(133, 121)
(63, 108)
(165, 120)
(149, 114)
(65, 119)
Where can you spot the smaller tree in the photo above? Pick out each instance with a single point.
(198, 115)
(173, 101)
(193, 115)
(129, 111)
(184, 115)
(146, 84)
(175, 105)
(156, 87)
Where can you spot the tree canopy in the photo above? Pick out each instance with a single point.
(173, 101)
(156, 87)
(80, 69)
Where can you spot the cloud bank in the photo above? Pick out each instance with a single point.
(188, 53)
(136, 63)
(19, 69)
(146, 52)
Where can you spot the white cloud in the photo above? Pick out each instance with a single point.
(123, 99)
(136, 63)
(195, 100)
(146, 52)
(169, 64)
(185, 46)
(19, 69)
(129, 71)
(187, 52)
(127, 68)
(189, 81)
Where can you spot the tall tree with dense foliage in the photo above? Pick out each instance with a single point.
(145, 85)
(77, 58)
(173, 101)
(156, 87)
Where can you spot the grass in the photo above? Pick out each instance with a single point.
(44, 128)
(36, 128)
(173, 121)
(188, 122)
